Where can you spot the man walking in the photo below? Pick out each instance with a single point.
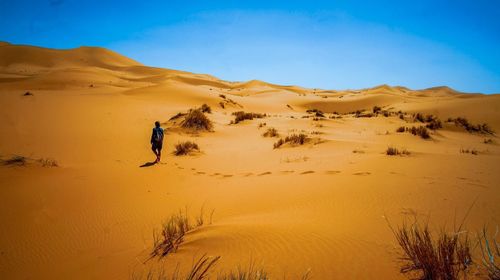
(157, 141)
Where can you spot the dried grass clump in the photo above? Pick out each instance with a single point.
(488, 141)
(420, 131)
(241, 116)
(196, 120)
(401, 129)
(418, 117)
(168, 239)
(316, 112)
(271, 132)
(442, 257)
(490, 249)
(376, 109)
(185, 148)
(433, 122)
(206, 109)
(294, 139)
(392, 151)
(48, 162)
(15, 161)
(478, 128)
(469, 151)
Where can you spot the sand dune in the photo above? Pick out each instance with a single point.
(318, 206)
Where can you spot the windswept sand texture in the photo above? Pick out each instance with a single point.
(317, 207)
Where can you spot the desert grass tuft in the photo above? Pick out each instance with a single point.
(206, 109)
(294, 139)
(469, 151)
(490, 250)
(184, 148)
(271, 132)
(446, 256)
(471, 128)
(196, 120)
(15, 161)
(48, 162)
(392, 151)
(171, 235)
(241, 116)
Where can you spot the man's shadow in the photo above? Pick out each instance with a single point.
(148, 164)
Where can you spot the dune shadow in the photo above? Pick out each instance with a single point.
(148, 164)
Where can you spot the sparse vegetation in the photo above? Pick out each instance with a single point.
(206, 109)
(241, 116)
(294, 139)
(401, 129)
(376, 109)
(15, 161)
(271, 132)
(478, 128)
(48, 162)
(185, 148)
(169, 238)
(28, 94)
(392, 151)
(420, 131)
(469, 151)
(262, 124)
(419, 117)
(196, 120)
(316, 112)
(488, 141)
(444, 257)
(489, 250)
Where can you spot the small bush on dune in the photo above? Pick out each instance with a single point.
(489, 250)
(419, 117)
(444, 257)
(271, 132)
(294, 139)
(401, 129)
(241, 116)
(478, 128)
(488, 141)
(196, 120)
(185, 148)
(420, 131)
(48, 162)
(376, 109)
(469, 151)
(15, 161)
(206, 109)
(392, 151)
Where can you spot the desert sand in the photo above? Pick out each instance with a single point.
(318, 207)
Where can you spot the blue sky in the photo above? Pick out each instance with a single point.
(319, 44)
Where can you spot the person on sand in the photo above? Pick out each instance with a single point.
(157, 141)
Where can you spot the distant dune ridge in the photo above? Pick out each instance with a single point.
(80, 196)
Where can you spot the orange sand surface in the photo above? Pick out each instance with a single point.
(318, 207)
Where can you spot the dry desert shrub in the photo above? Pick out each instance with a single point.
(392, 151)
(196, 120)
(420, 131)
(206, 109)
(418, 117)
(401, 129)
(294, 139)
(316, 112)
(469, 151)
(241, 116)
(488, 141)
(271, 132)
(48, 162)
(15, 161)
(168, 239)
(445, 256)
(490, 250)
(376, 109)
(184, 148)
(478, 128)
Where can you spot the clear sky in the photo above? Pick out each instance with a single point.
(319, 44)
